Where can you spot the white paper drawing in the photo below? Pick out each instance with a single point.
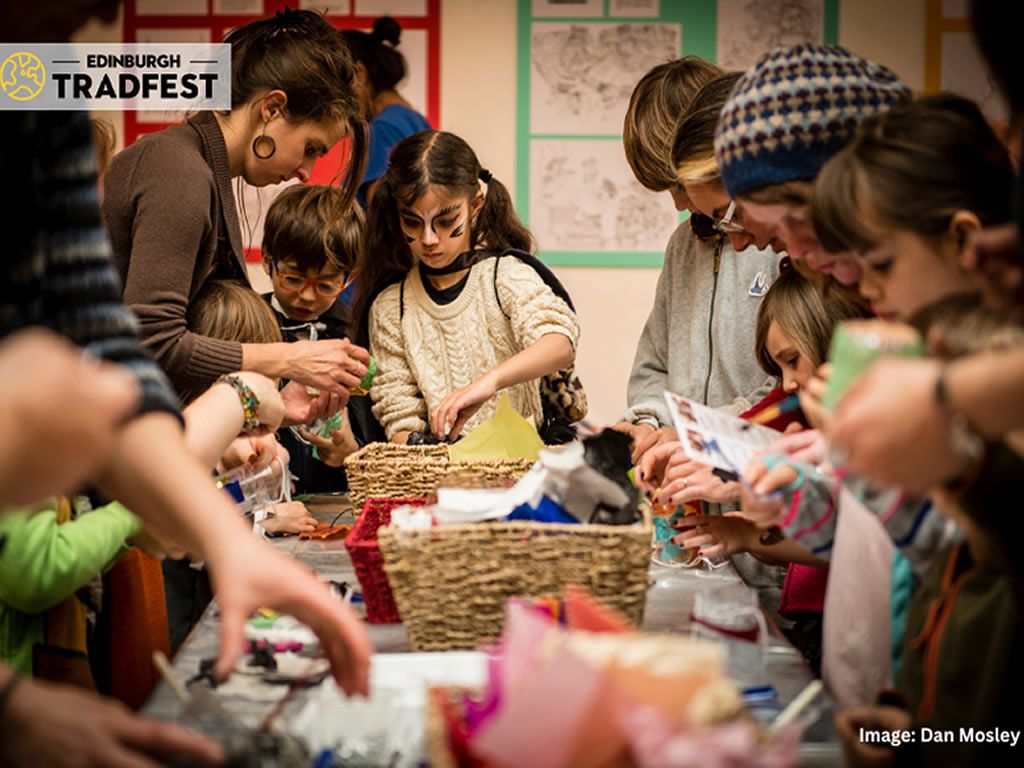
(717, 439)
(583, 197)
(647, 9)
(567, 8)
(583, 73)
(749, 28)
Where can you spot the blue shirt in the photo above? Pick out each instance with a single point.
(393, 124)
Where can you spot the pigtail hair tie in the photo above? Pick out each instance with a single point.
(485, 176)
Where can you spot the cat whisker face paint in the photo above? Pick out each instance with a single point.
(436, 227)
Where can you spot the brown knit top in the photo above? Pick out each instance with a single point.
(173, 226)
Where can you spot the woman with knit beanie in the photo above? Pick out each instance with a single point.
(785, 118)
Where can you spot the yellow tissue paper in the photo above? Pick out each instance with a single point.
(506, 435)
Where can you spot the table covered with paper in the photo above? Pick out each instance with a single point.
(568, 683)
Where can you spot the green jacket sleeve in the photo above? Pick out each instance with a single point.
(43, 562)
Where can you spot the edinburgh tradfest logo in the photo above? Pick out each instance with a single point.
(118, 76)
(22, 76)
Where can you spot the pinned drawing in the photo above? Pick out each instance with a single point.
(747, 29)
(583, 197)
(583, 73)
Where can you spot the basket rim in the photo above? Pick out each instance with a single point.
(646, 527)
(359, 536)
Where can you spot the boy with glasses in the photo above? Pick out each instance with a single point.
(311, 246)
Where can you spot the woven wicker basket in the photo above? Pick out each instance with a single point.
(451, 583)
(386, 470)
(362, 547)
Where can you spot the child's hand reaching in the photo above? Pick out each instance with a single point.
(811, 395)
(336, 447)
(716, 535)
(808, 446)
(302, 406)
(458, 407)
(258, 450)
(761, 503)
(289, 517)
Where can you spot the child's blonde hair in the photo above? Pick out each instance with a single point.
(804, 313)
(655, 107)
(227, 310)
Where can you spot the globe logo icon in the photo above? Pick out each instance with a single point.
(22, 76)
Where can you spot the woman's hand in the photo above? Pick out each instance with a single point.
(289, 517)
(653, 439)
(248, 574)
(59, 725)
(330, 365)
(688, 480)
(302, 406)
(458, 407)
(336, 447)
(716, 535)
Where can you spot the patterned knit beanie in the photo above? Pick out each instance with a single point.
(795, 109)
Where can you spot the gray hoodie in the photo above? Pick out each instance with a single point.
(699, 339)
(699, 343)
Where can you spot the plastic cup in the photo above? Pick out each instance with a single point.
(857, 344)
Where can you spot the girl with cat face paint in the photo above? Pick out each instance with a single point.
(450, 320)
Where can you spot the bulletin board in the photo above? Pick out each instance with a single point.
(578, 61)
(211, 20)
(952, 61)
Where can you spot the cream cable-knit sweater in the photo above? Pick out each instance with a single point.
(437, 349)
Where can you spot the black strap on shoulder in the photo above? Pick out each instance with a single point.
(538, 266)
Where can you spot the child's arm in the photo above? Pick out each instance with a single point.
(545, 330)
(43, 562)
(648, 378)
(398, 403)
(216, 417)
(809, 505)
(725, 536)
(551, 352)
(336, 447)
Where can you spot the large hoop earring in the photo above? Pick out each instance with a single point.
(264, 146)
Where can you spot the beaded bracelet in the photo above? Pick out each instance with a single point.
(250, 404)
